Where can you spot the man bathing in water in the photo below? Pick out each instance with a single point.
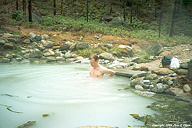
(96, 71)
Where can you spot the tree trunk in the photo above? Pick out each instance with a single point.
(24, 6)
(190, 70)
(87, 11)
(111, 9)
(61, 7)
(131, 15)
(173, 19)
(30, 10)
(124, 15)
(17, 5)
(54, 4)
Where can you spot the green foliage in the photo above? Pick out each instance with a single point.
(17, 15)
(84, 52)
(145, 57)
(144, 24)
(62, 23)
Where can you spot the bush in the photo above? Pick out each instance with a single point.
(17, 15)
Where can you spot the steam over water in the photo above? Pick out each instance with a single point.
(68, 95)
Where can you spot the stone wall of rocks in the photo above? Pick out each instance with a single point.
(39, 49)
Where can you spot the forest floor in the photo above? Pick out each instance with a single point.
(182, 52)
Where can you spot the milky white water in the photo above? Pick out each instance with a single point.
(68, 95)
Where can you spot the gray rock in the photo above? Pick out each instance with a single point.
(107, 56)
(60, 58)
(38, 38)
(45, 36)
(33, 60)
(34, 43)
(32, 35)
(68, 55)
(35, 53)
(129, 73)
(155, 49)
(162, 71)
(64, 47)
(184, 65)
(9, 56)
(73, 47)
(49, 53)
(117, 21)
(26, 41)
(58, 53)
(145, 93)
(136, 82)
(8, 46)
(174, 91)
(13, 40)
(109, 46)
(24, 61)
(138, 87)
(82, 46)
(172, 75)
(107, 18)
(2, 42)
(7, 35)
(19, 58)
(96, 37)
(4, 60)
(147, 86)
(159, 88)
(35, 18)
(48, 44)
(70, 60)
(147, 82)
(170, 82)
(186, 88)
(151, 77)
(51, 59)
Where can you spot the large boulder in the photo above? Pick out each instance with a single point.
(155, 49)
(82, 46)
(35, 18)
(8, 46)
(2, 42)
(159, 88)
(35, 53)
(117, 21)
(7, 35)
(47, 44)
(161, 71)
(136, 82)
(186, 88)
(107, 56)
(107, 18)
(26, 41)
(174, 91)
(4, 60)
(64, 47)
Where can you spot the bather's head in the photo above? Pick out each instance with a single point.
(94, 60)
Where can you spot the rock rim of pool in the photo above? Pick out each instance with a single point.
(129, 73)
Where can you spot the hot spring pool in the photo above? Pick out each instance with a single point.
(68, 95)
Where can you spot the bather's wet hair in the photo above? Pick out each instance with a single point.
(94, 56)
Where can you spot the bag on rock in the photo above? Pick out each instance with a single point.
(174, 63)
(166, 60)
